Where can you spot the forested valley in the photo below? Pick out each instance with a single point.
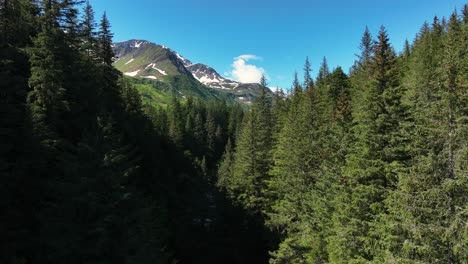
(369, 166)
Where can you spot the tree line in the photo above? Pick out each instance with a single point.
(369, 167)
(91, 175)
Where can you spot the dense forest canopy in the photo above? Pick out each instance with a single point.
(369, 166)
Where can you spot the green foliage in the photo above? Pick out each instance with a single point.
(430, 203)
(365, 169)
(296, 171)
(375, 157)
(87, 32)
(323, 72)
(105, 52)
(90, 172)
(253, 157)
(97, 168)
(308, 82)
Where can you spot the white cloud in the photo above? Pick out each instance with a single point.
(247, 57)
(244, 72)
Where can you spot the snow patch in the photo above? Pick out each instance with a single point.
(153, 66)
(180, 57)
(160, 71)
(138, 44)
(129, 61)
(216, 82)
(186, 62)
(196, 77)
(133, 74)
(150, 77)
(206, 79)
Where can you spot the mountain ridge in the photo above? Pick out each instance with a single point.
(144, 59)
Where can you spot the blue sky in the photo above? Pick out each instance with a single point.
(277, 35)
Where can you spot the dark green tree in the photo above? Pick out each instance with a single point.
(252, 159)
(429, 204)
(372, 163)
(366, 47)
(105, 51)
(88, 32)
(292, 186)
(308, 81)
(296, 86)
(323, 73)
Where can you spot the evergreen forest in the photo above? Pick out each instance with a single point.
(365, 166)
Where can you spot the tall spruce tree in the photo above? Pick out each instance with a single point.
(292, 186)
(252, 159)
(366, 47)
(47, 98)
(372, 164)
(108, 88)
(361, 71)
(105, 41)
(429, 204)
(323, 72)
(308, 81)
(88, 32)
(296, 85)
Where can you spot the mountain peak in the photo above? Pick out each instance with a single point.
(144, 59)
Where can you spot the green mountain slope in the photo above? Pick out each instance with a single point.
(171, 74)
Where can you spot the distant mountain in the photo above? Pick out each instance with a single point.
(209, 77)
(143, 59)
(139, 58)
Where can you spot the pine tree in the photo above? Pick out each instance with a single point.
(296, 86)
(210, 128)
(428, 205)
(308, 82)
(176, 122)
(264, 136)
(407, 49)
(252, 159)
(199, 133)
(105, 52)
(292, 185)
(47, 98)
(88, 34)
(109, 90)
(371, 166)
(69, 20)
(335, 141)
(225, 170)
(361, 71)
(323, 73)
(366, 48)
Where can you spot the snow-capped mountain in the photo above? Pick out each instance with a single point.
(143, 59)
(209, 77)
(140, 58)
